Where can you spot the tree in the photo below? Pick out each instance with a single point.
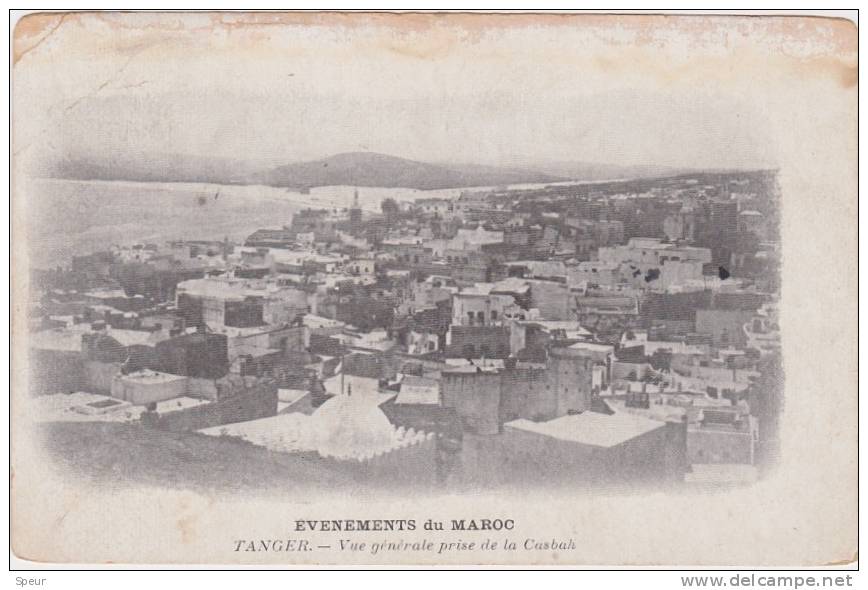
(390, 210)
(661, 360)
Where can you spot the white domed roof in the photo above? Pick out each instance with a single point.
(352, 426)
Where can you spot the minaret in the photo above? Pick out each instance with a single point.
(355, 215)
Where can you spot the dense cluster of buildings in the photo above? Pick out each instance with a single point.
(569, 335)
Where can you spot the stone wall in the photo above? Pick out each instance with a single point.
(527, 393)
(476, 399)
(259, 401)
(522, 458)
(53, 371)
(99, 376)
(720, 446)
(485, 400)
(478, 341)
(414, 464)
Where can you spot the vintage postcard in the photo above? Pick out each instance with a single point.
(358, 288)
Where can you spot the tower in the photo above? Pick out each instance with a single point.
(355, 215)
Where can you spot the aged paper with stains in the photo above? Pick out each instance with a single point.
(434, 289)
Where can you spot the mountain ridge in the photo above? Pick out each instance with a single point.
(382, 170)
(364, 169)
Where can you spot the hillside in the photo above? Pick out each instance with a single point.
(372, 169)
(151, 168)
(129, 454)
(346, 169)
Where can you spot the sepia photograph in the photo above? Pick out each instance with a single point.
(383, 288)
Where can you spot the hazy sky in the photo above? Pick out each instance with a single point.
(427, 89)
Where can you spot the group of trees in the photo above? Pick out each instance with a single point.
(391, 211)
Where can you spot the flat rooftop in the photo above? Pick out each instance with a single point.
(152, 377)
(592, 346)
(590, 428)
(84, 407)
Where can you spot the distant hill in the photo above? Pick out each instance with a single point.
(151, 168)
(595, 171)
(373, 169)
(352, 168)
(355, 169)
